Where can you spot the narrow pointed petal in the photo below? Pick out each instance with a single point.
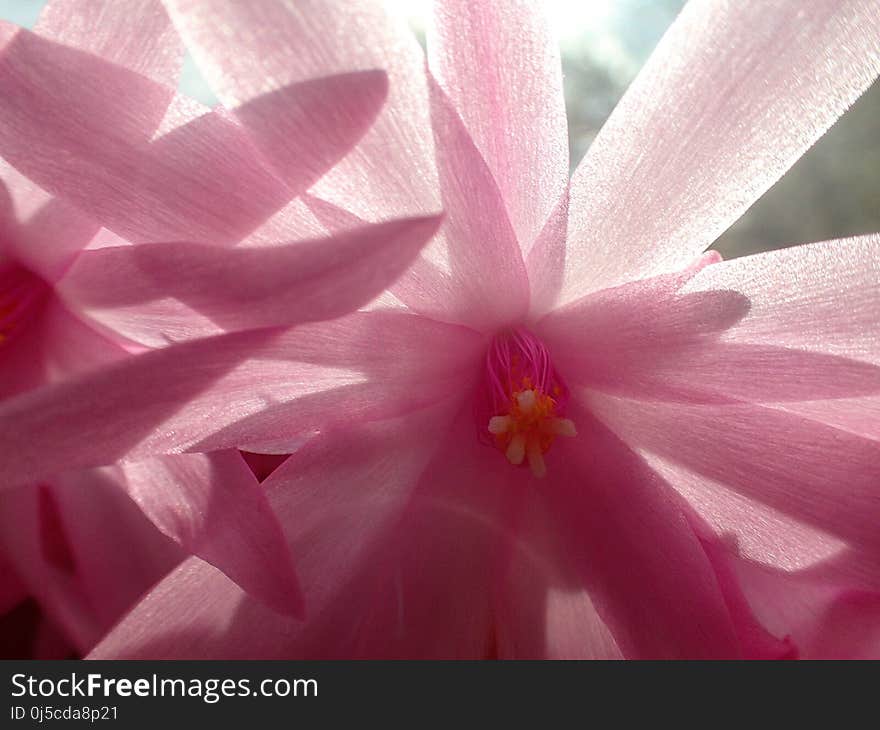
(755, 530)
(336, 497)
(433, 556)
(545, 261)
(85, 130)
(451, 529)
(213, 507)
(634, 550)
(758, 641)
(55, 346)
(816, 474)
(246, 50)
(542, 608)
(499, 65)
(780, 327)
(197, 603)
(487, 281)
(731, 98)
(36, 230)
(303, 129)
(821, 296)
(257, 386)
(138, 35)
(154, 293)
(822, 620)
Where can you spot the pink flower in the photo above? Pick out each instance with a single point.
(90, 114)
(580, 438)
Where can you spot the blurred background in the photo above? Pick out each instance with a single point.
(832, 192)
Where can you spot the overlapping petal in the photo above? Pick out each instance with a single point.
(336, 498)
(86, 130)
(55, 346)
(734, 332)
(213, 507)
(390, 173)
(817, 474)
(720, 499)
(253, 386)
(165, 292)
(541, 605)
(708, 126)
(482, 281)
(38, 231)
(820, 619)
(138, 35)
(513, 110)
(638, 558)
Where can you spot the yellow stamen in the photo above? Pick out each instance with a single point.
(528, 430)
(536, 457)
(516, 450)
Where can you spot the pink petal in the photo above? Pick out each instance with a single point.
(427, 584)
(542, 608)
(138, 36)
(691, 336)
(402, 573)
(198, 605)
(612, 338)
(84, 550)
(756, 530)
(731, 98)
(127, 288)
(821, 296)
(246, 50)
(71, 346)
(38, 231)
(213, 506)
(487, 286)
(55, 346)
(546, 259)
(80, 127)
(335, 498)
(638, 558)
(814, 473)
(305, 128)
(859, 415)
(755, 373)
(499, 64)
(385, 575)
(757, 641)
(824, 621)
(261, 385)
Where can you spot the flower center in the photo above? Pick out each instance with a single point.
(21, 294)
(526, 399)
